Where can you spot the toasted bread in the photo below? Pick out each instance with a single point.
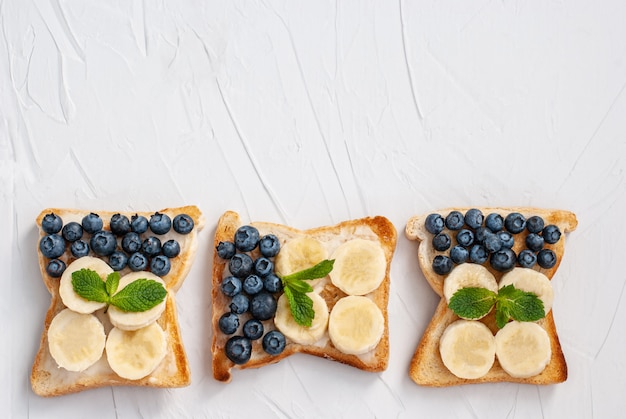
(427, 367)
(48, 379)
(377, 229)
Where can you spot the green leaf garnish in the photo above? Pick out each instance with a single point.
(90, 286)
(301, 307)
(318, 271)
(472, 303)
(112, 282)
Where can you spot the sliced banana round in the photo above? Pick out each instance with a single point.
(127, 320)
(298, 254)
(533, 281)
(359, 266)
(75, 340)
(356, 325)
(285, 322)
(467, 349)
(523, 349)
(69, 297)
(135, 354)
(468, 275)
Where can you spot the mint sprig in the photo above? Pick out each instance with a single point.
(140, 295)
(296, 290)
(510, 302)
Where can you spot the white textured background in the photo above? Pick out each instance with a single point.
(310, 113)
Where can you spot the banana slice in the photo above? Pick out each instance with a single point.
(356, 325)
(523, 349)
(359, 267)
(135, 354)
(69, 297)
(468, 275)
(467, 349)
(75, 340)
(285, 322)
(298, 254)
(531, 281)
(126, 320)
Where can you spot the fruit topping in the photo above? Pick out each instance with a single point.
(478, 254)
(226, 250)
(515, 222)
(551, 234)
(442, 264)
(494, 222)
(170, 248)
(160, 223)
(526, 258)
(459, 254)
(467, 349)
(119, 224)
(441, 242)
(182, 224)
(253, 284)
(503, 260)
(72, 231)
(474, 218)
(246, 238)
(55, 268)
(269, 246)
(455, 220)
(103, 243)
(239, 304)
(434, 223)
(274, 342)
(231, 286)
(534, 224)
(272, 283)
(138, 224)
(546, 258)
(118, 260)
(52, 246)
(51, 223)
(253, 329)
(359, 267)
(263, 306)
(523, 349)
(228, 323)
(263, 267)
(239, 349)
(92, 223)
(136, 354)
(506, 238)
(492, 242)
(464, 237)
(355, 325)
(151, 246)
(534, 242)
(79, 249)
(131, 242)
(241, 265)
(160, 265)
(137, 262)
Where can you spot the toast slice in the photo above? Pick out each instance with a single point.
(48, 379)
(427, 367)
(376, 229)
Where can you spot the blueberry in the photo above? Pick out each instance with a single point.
(479, 234)
(239, 304)
(434, 223)
(183, 224)
(226, 250)
(441, 242)
(120, 224)
(455, 220)
(478, 254)
(534, 224)
(526, 258)
(55, 268)
(151, 246)
(546, 258)
(103, 243)
(137, 262)
(263, 267)
(131, 242)
(442, 264)
(494, 222)
(171, 248)
(551, 234)
(503, 260)
(228, 323)
(263, 306)
(465, 237)
(274, 342)
(269, 245)
(474, 218)
(72, 231)
(506, 239)
(253, 284)
(459, 254)
(534, 242)
(492, 242)
(231, 286)
(240, 265)
(239, 349)
(138, 224)
(51, 223)
(160, 265)
(515, 222)
(79, 249)
(92, 223)
(52, 246)
(246, 238)
(253, 329)
(118, 260)
(160, 223)
(272, 283)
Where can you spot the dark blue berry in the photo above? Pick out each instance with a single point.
(79, 249)
(274, 342)
(263, 267)
(171, 248)
(534, 224)
(459, 254)
(240, 265)
(231, 286)
(246, 238)
(455, 220)
(52, 246)
(183, 224)
(91, 223)
(272, 283)
(226, 250)
(72, 231)
(434, 223)
(263, 306)
(526, 258)
(131, 242)
(465, 237)
(515, 222)
(474, 218)
(551, 234)
(503, 260)
(506, 238)
(138, 224)
(118, 260)
(478, 254)
(269, 245)
(492, 242)
(103, 243)
(160, 265)
(51, 223)
(160, 223)
(494, 222)
(441, 242)
(119, 224)
(479, 234)
(442, 264)
(534, 242)
(253, 329)
(546, 258)
(239, 349)
(151, 246)
(228, 323)
(239, 304)
(137, 262)
(55, 268)
(253, 284)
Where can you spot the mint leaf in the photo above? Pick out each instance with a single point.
(140, 295)
(301, 307)
(318, 271)
(112, 282)
(298, 286)
(519, 305)
(89, 285)
(472, 302)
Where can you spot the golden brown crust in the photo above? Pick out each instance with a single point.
(373, 228)
(426, 367)
(47, 379)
